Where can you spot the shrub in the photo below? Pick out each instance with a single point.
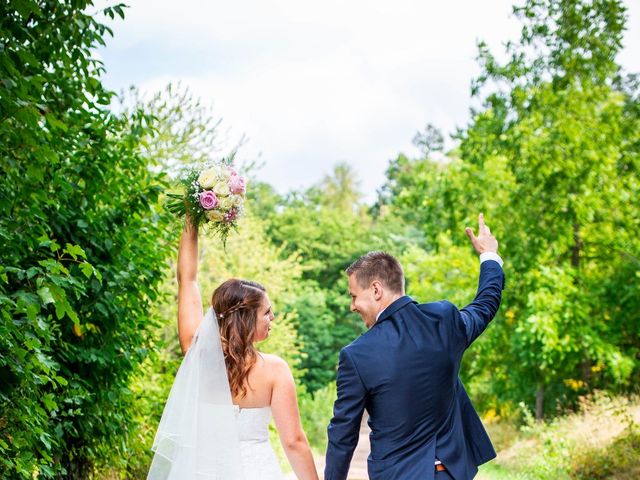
(82, 246)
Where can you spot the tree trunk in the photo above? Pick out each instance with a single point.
(577, 246)
(540, 403)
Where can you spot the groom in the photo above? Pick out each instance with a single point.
(404, 372)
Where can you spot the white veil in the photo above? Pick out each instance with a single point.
(197, 437)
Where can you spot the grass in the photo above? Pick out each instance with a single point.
(620, 460)
(601, 441)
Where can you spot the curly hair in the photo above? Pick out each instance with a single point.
(236, 303)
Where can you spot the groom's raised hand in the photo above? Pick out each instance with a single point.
(484, 242)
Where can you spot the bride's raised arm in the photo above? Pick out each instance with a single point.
(189, 300)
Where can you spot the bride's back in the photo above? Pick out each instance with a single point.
(259, 383)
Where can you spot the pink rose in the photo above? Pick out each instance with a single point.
(208, 200)
(236, 184)
(231, 215)
(232, 171)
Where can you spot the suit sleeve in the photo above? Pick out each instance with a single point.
(475, 317)
(344, 429)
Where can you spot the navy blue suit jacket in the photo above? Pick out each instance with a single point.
(404, 372)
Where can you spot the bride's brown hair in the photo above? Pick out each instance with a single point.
(236, 304)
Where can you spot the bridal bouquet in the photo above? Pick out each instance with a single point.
(213, 195)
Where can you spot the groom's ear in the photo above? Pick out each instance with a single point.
(377, 289)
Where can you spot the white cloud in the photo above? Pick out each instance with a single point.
(312, 83)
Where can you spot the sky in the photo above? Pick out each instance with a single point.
(310, 84)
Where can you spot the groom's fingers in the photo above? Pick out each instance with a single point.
(483, 229)
(470, 234)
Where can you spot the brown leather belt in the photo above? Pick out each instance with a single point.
(440, 468)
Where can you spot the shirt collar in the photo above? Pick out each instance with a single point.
(393, 307)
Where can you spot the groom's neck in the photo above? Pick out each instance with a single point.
(388, 301)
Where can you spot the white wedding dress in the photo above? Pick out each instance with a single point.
(202, 435)
(259, 461)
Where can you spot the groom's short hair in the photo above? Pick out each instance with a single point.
(378, 266)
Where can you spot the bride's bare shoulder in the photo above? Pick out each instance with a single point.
(273, 360)
(275, 364)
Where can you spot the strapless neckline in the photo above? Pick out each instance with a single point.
(238, 408)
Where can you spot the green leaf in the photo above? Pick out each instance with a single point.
(32, 271)
(72, 314)
(55, 123)
(7, 301)
(87, 269)
(54, 246)
(101, 308)
(47, 362)
(26, 7)
(45, 294)
(75, 251)
(35, 173)
(97, 274)
(49, 403)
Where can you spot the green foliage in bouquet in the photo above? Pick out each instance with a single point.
(181, 204)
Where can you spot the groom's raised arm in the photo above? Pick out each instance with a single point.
(476, 316)
(344, 428)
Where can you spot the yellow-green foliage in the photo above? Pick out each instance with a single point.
(620, 460)
(450, 272)
(316, 412)
(250, 255)
(600, 441)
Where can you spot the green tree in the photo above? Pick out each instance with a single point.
(327, 227)
(431, 140)
(320, 226)
(552, 160)
(83, 245)
(187, 132)
(561, 126)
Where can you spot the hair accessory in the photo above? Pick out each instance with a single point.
(231, 310)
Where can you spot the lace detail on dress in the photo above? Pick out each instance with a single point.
(259, 461)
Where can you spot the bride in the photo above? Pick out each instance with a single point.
(216, 421)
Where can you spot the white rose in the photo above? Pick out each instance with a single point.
(214, 215)
(208, 178)
(221, 189)
(227, 202)
(237, 200)
(224, 174)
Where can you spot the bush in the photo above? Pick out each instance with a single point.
(600, 441)
(619, 460)
(83, 244)
(316, 410)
